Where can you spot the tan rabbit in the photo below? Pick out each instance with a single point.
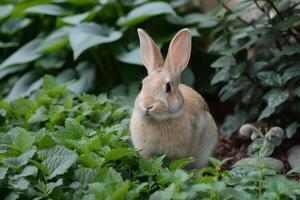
(168, 117)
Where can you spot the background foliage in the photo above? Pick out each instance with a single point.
(258, 67)
(92, 41)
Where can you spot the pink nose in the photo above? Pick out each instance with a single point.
(148, 107)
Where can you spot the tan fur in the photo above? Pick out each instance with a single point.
(179, 123)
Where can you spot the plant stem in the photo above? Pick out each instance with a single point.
(290, 31)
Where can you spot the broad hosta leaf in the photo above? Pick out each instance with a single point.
(86, 80)
(6, 10)
(56, 40)
(277, 97)
(47, 9)
(77, 19)
(88, 35)
(130, 57)
(25, 54)
(58, 160)
(144, 12)
(21, 87)
(203, 21)
(14, 25)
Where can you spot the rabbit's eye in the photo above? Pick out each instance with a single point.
(168, 87)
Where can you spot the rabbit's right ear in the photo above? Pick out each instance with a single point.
(150, 52)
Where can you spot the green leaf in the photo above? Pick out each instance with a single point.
(277, 97)
(233, 122)
(86, 80)
(286, 24)
(87, 35)
(23, 140)
(58, 160)
(295, 170)
(20, 160)
(6, 10)
(14, 25)
(224, 62)
(290, 50)
(40, 115)
(291, 129)
(22, 87)
(75, 128)
(27, 53)
(270, 78)
(78, 18)
(181, 163)
(19, 184)
(291, 73)
(3, 172)
(12, 196)
(47, 9)
(151, 167)
(145, 12)
(118, 153)
(130, 57)
(27, 171)
(297, 91)
(266, 112)
(86, 175)
(221, 75)
(56, 40)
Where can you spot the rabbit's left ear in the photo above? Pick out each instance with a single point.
(179, 51)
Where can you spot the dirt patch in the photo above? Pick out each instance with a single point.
(236, 148)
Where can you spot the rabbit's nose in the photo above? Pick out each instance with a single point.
(147, 107)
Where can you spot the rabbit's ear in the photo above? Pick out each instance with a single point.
(179, 51)
(150, 52)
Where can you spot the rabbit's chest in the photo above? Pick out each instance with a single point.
(170, 139)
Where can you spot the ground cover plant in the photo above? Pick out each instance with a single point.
(61, 145)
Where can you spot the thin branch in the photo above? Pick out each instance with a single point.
(282, 19)
(231, 12)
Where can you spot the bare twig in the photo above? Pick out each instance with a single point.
(290, 31)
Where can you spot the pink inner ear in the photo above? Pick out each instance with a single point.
(150, 52)
(179, 51)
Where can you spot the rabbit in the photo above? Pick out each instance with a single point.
(169, 117)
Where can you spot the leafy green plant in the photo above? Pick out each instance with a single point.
(92, 41)
(58, 144)
(258, 64)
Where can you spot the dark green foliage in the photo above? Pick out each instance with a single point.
(92, 41)
(258, 67)
(61, 145)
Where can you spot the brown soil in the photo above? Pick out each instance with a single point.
(236, 148)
